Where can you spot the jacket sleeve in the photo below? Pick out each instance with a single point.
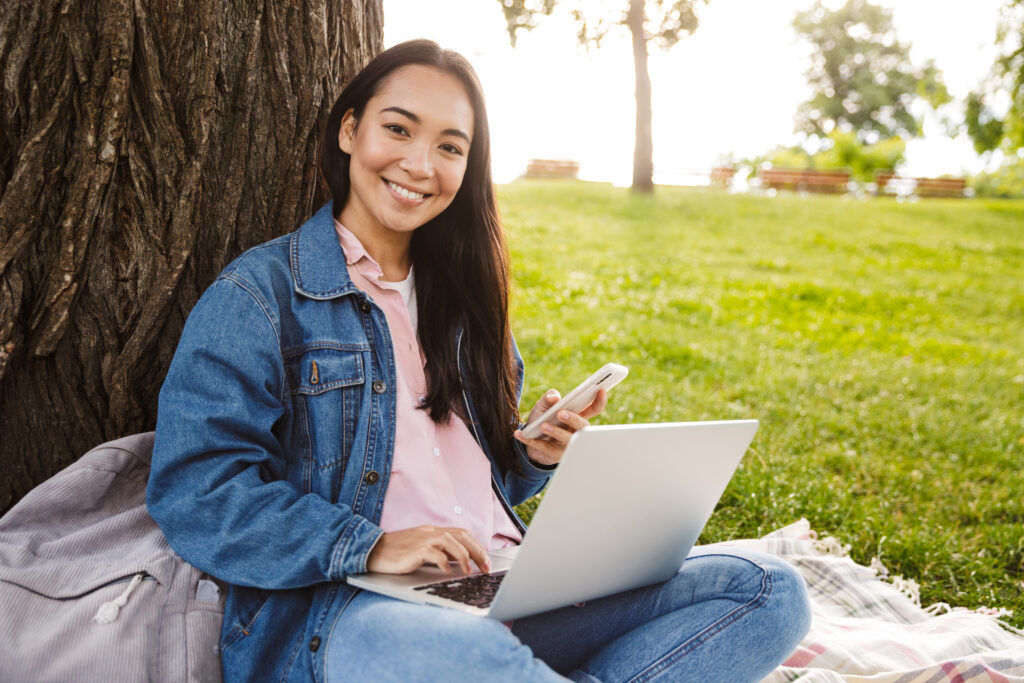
(533, 477)
(217, 487)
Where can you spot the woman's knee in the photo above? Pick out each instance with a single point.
(772, 586)
(788, 600)
(784, 613)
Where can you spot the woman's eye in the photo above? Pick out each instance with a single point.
(395, 128)
(451, 149)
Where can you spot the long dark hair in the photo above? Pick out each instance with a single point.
(460, 259)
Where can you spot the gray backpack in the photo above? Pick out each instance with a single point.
(89, 588)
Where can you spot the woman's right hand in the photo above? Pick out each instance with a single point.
(401, 552)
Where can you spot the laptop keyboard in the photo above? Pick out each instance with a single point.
(477, 590)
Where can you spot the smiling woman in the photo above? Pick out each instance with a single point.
(345, 399)
(414, 121)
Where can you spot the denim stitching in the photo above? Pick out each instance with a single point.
(339, 550)
(300, 285)
(673, 656)
(320, 658)
(246, 286)
(342, 548)
(242, 628)
(286, 669)
(292, 352)
(347, 418)
(302, 410)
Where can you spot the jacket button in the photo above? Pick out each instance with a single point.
(372, 477)
(379, 386)
(364, 306)
(314, 644)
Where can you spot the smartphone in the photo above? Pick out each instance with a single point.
(579, 398)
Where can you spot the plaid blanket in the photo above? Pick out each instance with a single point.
(869, 627)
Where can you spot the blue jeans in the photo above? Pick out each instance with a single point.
(727, 617)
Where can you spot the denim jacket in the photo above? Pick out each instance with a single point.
(274, 445)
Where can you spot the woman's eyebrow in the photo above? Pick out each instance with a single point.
(415, 119)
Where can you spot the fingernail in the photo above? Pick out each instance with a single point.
(564, 415)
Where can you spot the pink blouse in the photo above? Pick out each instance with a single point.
(439, 474)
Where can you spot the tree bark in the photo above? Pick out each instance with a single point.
(143, 145)
(643, 149)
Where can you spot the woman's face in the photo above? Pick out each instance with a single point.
(408, 151)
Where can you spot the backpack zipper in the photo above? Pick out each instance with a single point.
(108, 611)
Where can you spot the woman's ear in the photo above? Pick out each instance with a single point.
(347, 131)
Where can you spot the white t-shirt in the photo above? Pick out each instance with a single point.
(407, 288)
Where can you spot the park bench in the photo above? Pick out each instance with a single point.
(888, 182)
(805, 180)
(552, 168)
(722, 175)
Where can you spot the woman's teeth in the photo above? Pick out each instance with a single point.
(402, 192)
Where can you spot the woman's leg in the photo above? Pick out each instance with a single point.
(729, 617)
(377, 638)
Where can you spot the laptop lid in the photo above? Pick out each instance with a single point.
(625, 508)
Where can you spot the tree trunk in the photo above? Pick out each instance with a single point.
(643, 150)
(143, 145)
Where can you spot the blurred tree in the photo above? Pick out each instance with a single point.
(862, 76)
(988, 129)
(663, 21)
(983, 126)
(142, 146)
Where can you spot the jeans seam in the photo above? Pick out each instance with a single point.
(672, 656)
(330, 630)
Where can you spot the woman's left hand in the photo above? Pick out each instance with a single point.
(549, 448)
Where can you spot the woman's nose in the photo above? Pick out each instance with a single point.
(417, 161)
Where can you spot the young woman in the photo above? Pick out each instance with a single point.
(345, 398)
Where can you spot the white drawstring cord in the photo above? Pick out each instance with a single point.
(108, 611)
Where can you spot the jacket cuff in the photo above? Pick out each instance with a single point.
(532, 470)
(541, 466)
(353, 548)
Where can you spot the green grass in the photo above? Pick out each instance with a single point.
(879, 343)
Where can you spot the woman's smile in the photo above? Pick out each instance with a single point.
(405, 195)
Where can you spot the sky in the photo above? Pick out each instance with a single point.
(733, 87)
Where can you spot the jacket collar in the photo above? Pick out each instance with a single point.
(317, 259)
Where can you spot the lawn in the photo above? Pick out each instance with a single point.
(878, 342)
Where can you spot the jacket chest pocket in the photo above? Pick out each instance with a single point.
(327, 386)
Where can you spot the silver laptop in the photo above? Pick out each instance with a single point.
(623, 510)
